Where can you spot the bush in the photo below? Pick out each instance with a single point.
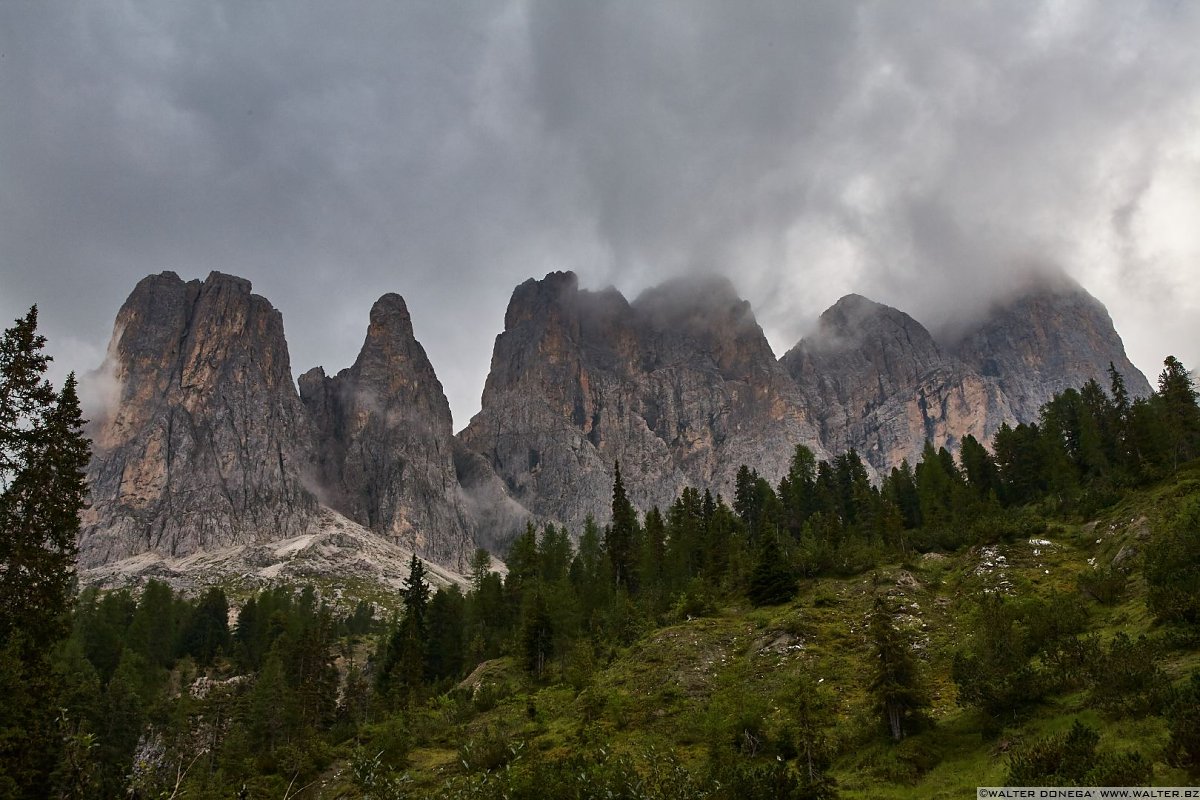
(740, 779)
(1183, 719)
(1172, 568)
(1071, 759)
(694, 601)
(390, 740)
(489, 750)
(1126, 678)
(1102, 585)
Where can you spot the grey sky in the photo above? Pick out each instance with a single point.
(919, 153)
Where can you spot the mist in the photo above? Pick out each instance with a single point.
(925, 155)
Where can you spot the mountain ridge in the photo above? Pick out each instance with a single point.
(679, 385)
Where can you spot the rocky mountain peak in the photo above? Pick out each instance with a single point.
(385, 446)
(708, 312)
(206, 443)
(536, 300)
(860, 330)
(681, 387)
(1049, 336)
(390, 314)
(878, 383)
(855, 318)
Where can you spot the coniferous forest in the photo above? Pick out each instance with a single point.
(1026, 611)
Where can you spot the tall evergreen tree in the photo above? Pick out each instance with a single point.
(773, 581)
(537, 634)
(207, 632)
(415, 629)
(43, 454)
(796, 489)
(979, 467)
(444, 656)
(621, 536)
(896, 684)
(1177, 399)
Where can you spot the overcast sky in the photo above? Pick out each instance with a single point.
(918, 153)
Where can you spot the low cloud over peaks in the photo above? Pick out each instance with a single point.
(920, 154)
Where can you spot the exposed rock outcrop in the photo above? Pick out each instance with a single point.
(681, 387)
(879, 384)
(1049, 337)
(337, 553)
(207, 444)
(385, 441)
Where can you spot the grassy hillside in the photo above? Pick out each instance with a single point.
(740, 684)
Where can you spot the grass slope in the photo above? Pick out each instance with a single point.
(730, 683)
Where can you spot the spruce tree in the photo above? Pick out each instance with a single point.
(772, 581)
(896, 684)
(1177, 400)
(621, 535)
(414, 631)
(43, 454)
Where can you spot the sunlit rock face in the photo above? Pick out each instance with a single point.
(385, 446)
(680, 387)
(1050, 336)
(879, 384)
(205, 443)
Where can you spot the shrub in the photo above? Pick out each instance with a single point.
(1071, 759)
(1172, 568)
(1102, 585)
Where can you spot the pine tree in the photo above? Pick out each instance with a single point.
(621, 535)
(1172, 567)
(414, 630)
(444, 656)
(537, 634)
(590, 575)
(207, 632)
(522, 565)
(652, 559)
(796, 489)
(43, 454)
(978, 467)
(1177, 399)
(773, 581)
(896, 685)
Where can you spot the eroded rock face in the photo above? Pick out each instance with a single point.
(385, 441)
(680, 387)
(879, 384)
(206, 444)
(1051, 336)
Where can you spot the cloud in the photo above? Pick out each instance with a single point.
(917, 153)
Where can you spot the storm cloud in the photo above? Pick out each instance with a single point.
(923, 154)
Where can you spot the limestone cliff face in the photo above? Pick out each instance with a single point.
(880, 384)
(385, 441)
(680, 386)
(1051, 336)
(207, 444)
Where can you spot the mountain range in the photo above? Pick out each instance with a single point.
(208, 446)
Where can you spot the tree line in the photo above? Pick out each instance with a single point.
(114, 693)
